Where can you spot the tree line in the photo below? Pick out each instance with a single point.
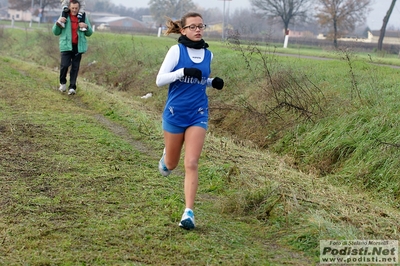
(335, 17)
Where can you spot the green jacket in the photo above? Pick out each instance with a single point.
(66, 36)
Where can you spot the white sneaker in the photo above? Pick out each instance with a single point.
(60, 24)
(71, 92)
(63, 87)
(187, 221)
(162, 167)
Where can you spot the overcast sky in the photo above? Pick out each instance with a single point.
(374, 21)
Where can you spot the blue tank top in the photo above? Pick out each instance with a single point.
(187, 101)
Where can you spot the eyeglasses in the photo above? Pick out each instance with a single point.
(194, 27)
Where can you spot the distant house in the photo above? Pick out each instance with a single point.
(300, 34)
(119, 22)
(149, 21)
(391, 37)
(19, 15)
(98, 15)
(217, 27)
(49, 15)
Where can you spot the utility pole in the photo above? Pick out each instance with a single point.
(40, 12)
(30, 24)
(223, 20)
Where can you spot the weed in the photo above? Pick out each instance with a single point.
(280, 98)
(80, 180)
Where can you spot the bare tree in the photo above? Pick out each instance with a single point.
(385, 22)
(174, 9)
(246, 23)
(341, 16)
(284, 9)
(210, 15)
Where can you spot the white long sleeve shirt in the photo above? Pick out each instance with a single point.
(166, 76)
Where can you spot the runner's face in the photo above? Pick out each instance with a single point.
(197, 34)
(74, 8)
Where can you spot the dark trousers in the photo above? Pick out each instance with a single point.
(73, 59)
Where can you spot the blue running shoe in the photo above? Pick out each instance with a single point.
(187, 221)
(161, 166)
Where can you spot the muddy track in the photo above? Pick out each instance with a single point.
(123, 133)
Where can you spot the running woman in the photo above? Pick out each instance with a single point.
(186, 69)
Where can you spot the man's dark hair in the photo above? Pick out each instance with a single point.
(75, 2)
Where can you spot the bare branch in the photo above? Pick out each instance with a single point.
(284, 9)
(341, 16)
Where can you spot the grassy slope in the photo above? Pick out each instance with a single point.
(73, 191)
(117, 209)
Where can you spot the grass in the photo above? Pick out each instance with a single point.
(74, 192)
(79, 178)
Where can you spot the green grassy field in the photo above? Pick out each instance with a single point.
(80, 184)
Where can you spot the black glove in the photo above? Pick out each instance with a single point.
(217, 83)
(193, 72)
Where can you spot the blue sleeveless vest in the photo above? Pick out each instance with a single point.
(187, 101)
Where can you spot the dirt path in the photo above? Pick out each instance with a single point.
(88, 198)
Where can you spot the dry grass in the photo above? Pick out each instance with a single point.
(251, 199)
(262, 184)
